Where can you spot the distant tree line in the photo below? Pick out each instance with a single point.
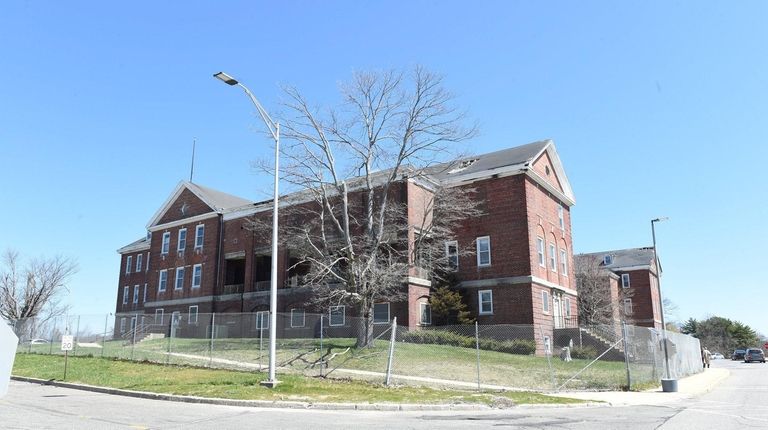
(721, 334)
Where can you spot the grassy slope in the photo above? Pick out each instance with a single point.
(245, 385)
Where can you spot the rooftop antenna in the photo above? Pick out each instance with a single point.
(192, 166)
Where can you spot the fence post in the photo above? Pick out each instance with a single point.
(548, 353)
(477, 353)
(322, 362)
(50, 343)
(626, 353)
(260, 321)
(391, 351)
(170, 335)
(213, 334)
(77, 335)
(104, 335)
(133, 338)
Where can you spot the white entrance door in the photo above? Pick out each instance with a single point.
(557, 310)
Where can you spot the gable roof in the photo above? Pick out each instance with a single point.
(506, 162)
(624, 258)
(137, 245)
(218, 201)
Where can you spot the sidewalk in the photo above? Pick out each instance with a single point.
(687, 388)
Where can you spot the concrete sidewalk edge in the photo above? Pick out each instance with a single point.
(289, 404)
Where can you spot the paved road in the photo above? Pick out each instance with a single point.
(740, 401)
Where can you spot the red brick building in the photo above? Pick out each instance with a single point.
(634, 284)
(198, 257)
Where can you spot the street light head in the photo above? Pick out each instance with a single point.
(223, 77)
(664, 218)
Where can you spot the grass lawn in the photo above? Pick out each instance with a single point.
(230, 384)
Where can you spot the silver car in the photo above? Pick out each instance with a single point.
(754, 354)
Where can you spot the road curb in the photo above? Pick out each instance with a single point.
(258, 403)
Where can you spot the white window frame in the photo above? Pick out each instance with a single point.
(146, 266)
(386, 320)
(136, 289)
(122, 325)
(162, 281)
(128, 264)
(197, 278)
(631, 309)
(294, 314)
(343, 315)
(479, 252)
(144, 298)
(191, 320)
(262, 320)
(625, 280)
(453, 259)
(540, 251)
(567, 306)
(425, 309)
(561, 216)
(165, 245)
(480, 302)
(139, 259)
(199, 237)
(181, 244)
(126, 292)
(177, 280)
(161, 313)
(553, 257)
(545, 301)
(607, 260)
(564, 261)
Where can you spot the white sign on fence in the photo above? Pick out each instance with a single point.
(67, 343)
(8, 342)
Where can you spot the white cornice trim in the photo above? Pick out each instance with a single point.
(419, 281)
(549, 187)
(631, 268)
(497, 282)
(546, 283)
(500, 172)
(133, 248)
(189, 220)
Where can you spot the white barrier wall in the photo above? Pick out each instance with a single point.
(8, 343)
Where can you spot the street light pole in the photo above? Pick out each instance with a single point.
(274, 130)
(668, 384)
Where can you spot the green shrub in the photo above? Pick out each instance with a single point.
(438, 337)
(583, 352)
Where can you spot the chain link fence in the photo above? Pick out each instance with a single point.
(510, 357)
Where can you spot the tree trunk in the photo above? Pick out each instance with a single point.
(364, 329)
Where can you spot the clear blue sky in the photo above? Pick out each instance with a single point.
(657, 109)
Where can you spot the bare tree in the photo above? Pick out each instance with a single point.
(30, 294)
(597, 303)
(348, 229)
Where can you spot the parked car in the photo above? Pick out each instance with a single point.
(717, 356)
(38, 341)
(754, 354)
(738, 354)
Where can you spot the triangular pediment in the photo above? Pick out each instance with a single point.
(182, 203)
(547, 167)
